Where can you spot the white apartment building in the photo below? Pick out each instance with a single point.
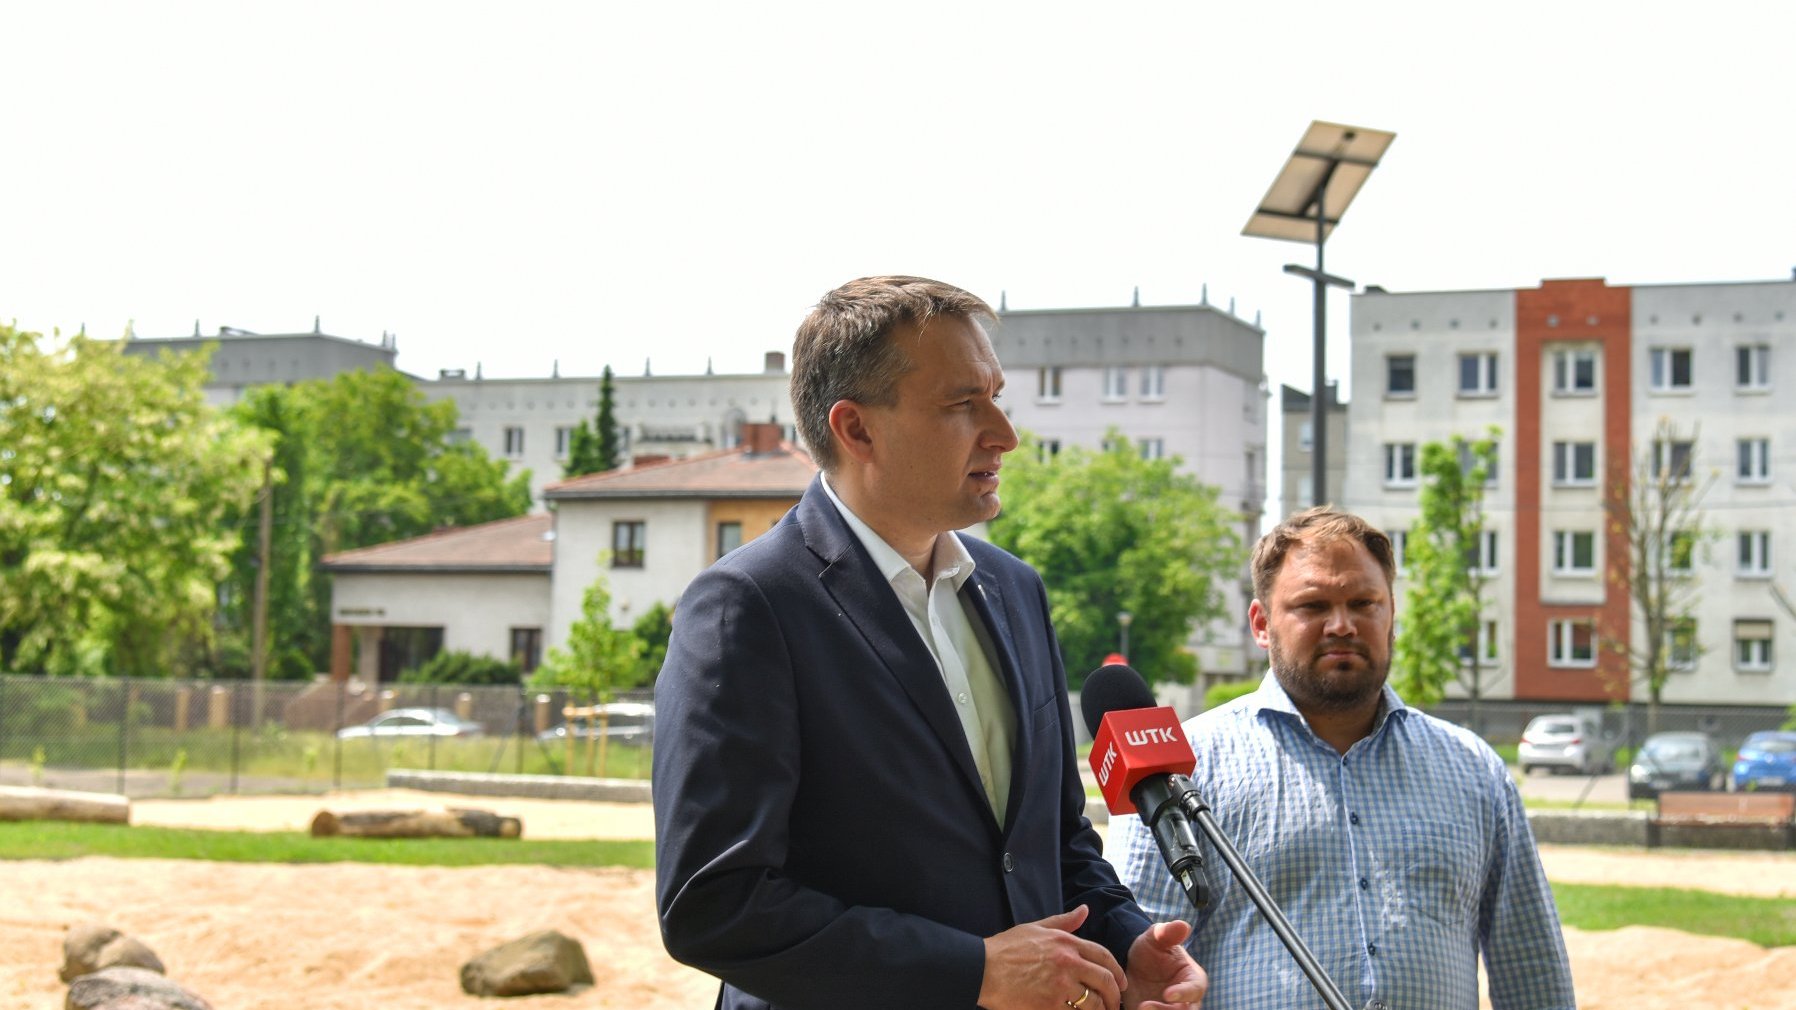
(530, 422)
(1577, 375)
(1183, 381)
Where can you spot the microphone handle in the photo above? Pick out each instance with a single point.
(1159, 799)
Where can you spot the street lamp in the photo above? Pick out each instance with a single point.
(1123, 620)
(1306, 201)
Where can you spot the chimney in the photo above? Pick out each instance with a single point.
(761, 438)
(775, 363)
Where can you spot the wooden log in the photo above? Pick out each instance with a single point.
(29, 803)
(449, 823)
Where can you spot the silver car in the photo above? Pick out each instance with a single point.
(401, 723)
(1565, 741)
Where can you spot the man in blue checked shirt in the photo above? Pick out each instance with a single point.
(1395, 842)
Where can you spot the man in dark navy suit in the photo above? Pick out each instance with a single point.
(865, 784)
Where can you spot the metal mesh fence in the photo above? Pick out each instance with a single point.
(166, 738)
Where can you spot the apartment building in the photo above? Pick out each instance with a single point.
(1577, 376)
(1184, 381)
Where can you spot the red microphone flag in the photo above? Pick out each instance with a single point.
(1134, 743)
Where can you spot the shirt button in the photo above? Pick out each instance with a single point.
(1376, 1004)
(1353, 818)
(1372, 949)
(1009, 863)
(1364, 884)
(961, 697)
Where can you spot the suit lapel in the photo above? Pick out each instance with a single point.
(869, 602)
(988, 601)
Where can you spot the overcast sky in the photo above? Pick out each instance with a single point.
(515, 184)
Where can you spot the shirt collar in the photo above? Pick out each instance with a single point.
(951, 560)
(1271, 697)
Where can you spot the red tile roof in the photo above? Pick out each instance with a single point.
(727, 473)
(522, 544)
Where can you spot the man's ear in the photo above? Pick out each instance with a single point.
(848, 425)
(1257, 622)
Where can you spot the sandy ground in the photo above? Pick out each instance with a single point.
(356, 937)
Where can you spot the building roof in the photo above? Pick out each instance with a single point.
(523, 544)
(727, 473)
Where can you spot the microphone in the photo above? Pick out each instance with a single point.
(1143, 765)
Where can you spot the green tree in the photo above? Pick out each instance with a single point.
(593, 448)
(1444, 600)
(359, 459)
(1111, 532)
(653, 627)
(1654, 503)
(120, 488)
(600, 659)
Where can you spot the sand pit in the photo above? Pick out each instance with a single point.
(357, 937)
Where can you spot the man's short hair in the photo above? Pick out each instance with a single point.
(1322, 524)
(843, 350)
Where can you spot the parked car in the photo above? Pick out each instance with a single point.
(1564, 740)
(1668, 761)
(624, 720)
(1766, 760)
(401, 723)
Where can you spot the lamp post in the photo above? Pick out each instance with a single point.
(1306, 201)
(1123, 620)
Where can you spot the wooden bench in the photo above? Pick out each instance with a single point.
(1725, 810)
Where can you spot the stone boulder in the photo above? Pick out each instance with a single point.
(130, 989)
(90, 946)
(546, 961)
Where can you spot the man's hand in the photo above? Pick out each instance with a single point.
(1162, 975)
(1042, 964)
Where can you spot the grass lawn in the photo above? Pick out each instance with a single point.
(1768, 922)
(70, 840)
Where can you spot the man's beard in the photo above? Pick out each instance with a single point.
(1330, 691)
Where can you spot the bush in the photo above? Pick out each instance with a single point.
(1221, 694)
(458, 667)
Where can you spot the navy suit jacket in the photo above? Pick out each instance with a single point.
(821, 836)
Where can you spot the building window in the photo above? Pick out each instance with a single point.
(1754, 456)
(564, 437)
(1482, 644)
(629, 540)
(1752, 645)
(1752, 367)
(1571, 643)
(1478, 374)
(1153, 382)
(1754, 554)
(514, 442)
(1048, 449)
(1481, 559)
(1151, 448)
(460, 435)
(1468, 458)
(1399, 548)
(526, 648)
(1399, 464)
(1671, 369)
(729, 537)
(1680, 552)
(1400, 376)
(1574, 552)
(1047, 383)
(1574, 372)
(1680, 644)
(1116, 384)
(1671, 460)
(1306, 437)
(1574, 464)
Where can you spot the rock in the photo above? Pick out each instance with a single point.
(541, 962)
(130, 989)
(90, 946)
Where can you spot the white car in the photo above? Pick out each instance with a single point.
(1563, 740)
(401, 723)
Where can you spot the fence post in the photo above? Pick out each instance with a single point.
(236, 734)
(431, 762)
(517, 726)
(124, 721)
(337, 741)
